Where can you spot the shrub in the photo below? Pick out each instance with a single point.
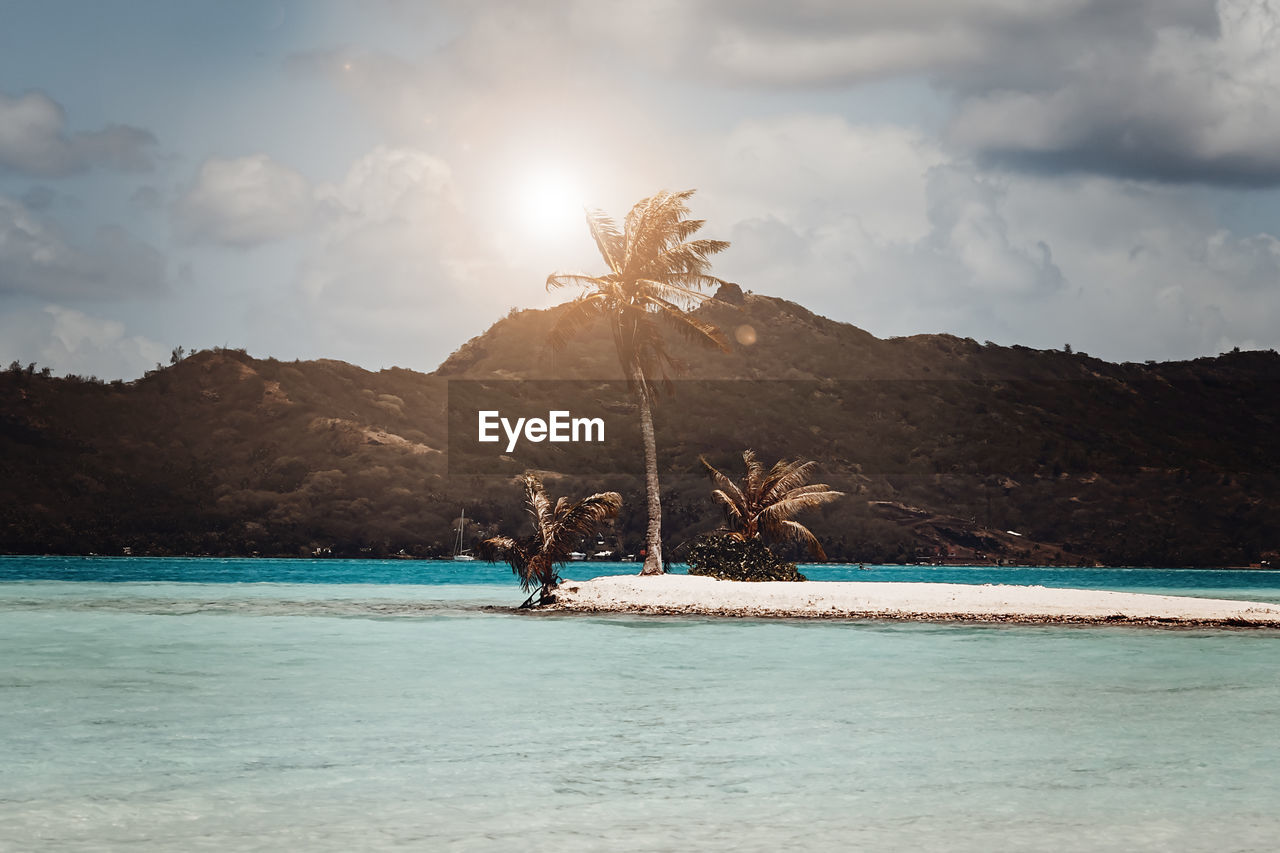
(731, 559)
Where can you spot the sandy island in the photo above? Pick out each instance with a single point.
(690, 595)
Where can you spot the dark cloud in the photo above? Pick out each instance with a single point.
(37, 259)
(39, 198)
(147, 199)
(1184, 107)
(1136, 153)
(1178, 91)
(1160, 90)
(34, 141)
(971, 44)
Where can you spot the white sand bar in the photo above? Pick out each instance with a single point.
(686, 594)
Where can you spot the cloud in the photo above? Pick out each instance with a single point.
(967, 271)
(1187, 106)
(146, 199)
(813, 169)
(390, 273)
(72, 342)
(828, 43)
(1015, 226)
(36, 258)
(1185, 91)
(245, 202)
(1150, 272)
(39, 198)
(394, 250)
(1161, 90)
(928, 241)
(34, 141)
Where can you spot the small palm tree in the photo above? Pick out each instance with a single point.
(764, 504)
(557, 528)
(656, 274)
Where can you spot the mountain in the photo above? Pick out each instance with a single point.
(946, 448)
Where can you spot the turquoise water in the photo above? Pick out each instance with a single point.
(141, 712)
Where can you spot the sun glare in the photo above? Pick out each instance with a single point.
(549, 202)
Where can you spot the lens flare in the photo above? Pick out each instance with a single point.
(549, 202)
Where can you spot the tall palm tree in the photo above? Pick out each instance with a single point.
(764, 504)
(656, 275)
(557, 528)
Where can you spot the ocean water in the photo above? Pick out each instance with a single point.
(151, 705)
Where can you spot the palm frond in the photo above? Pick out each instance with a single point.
(655, 267)
(696, 281)
(766, 502)
(650, 227)
(696, 331)
(686, 229)
(721, 480)
(668, 295)
(498, 545)
(785, 476)
(558, 527)
(813, 489)
(608, 239)
(516, 554)
(581, 518)
(796, 532)
(793, 504)
(576, 316)
(568, 279)
(688, 257)
(755, 471)
(538, 501)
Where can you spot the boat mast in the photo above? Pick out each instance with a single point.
(462, 524)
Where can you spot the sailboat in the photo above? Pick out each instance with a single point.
(459, 552)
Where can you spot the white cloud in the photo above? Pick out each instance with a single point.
(390, 228)
(72, 342)
(811, 169)
(1150, 272)
(875, 224)
(34, 140)
(36, 258)
(245, 202)
(397, 273)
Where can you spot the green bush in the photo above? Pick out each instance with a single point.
(732, 559)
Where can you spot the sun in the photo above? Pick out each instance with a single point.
(549, 201)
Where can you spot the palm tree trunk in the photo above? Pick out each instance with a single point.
(653, 536)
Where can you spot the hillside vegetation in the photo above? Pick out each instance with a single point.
(947, 448)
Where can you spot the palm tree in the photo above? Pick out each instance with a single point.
(656, 275)
(764, 504)
(557, 528)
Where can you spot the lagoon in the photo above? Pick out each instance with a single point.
(332, 705)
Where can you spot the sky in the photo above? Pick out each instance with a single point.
(380, 181)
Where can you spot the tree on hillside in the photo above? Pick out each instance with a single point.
(763, 504)
(656, 276)
(557, 529)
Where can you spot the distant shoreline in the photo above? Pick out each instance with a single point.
(868, 565)
(684, 595)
